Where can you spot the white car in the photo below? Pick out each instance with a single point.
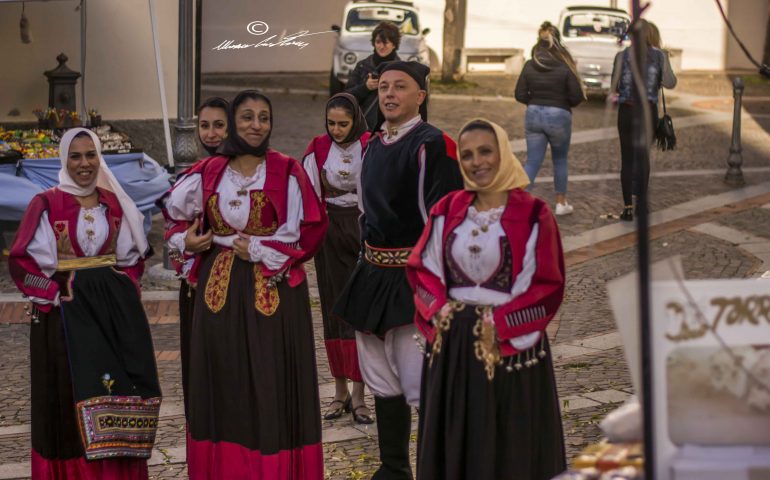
(594, 35)
(354, 42)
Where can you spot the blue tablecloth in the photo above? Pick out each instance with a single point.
(143, 179)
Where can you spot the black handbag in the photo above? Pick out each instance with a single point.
(664, 133)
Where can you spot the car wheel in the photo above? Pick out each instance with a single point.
(335, 86)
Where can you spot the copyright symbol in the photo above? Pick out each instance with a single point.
(257, 28)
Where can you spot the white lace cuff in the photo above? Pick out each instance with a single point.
(187, 266)
(176, 242)
(270, 258)
(525, 342)
(256, 250)
(42, 301)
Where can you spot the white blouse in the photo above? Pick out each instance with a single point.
(342, 170)
(91, 233)
(478, 256)
(185, 202)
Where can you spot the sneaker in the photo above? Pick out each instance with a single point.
(564, 208)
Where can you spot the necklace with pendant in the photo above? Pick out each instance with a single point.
(483, 223)
(241, 181)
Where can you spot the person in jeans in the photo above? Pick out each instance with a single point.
(550, 86)
(635, 172)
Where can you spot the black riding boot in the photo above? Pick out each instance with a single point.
(394, 426)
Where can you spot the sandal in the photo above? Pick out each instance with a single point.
(344, 406)
(628, 214)
(363, 418)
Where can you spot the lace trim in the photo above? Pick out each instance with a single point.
(485, 218)
(242, 180)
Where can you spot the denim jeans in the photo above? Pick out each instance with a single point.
(548, 125)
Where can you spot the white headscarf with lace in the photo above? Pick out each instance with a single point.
(106, 180)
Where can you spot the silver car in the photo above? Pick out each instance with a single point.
(354, 42)
(594, 35)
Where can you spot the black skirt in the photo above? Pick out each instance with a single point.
(254, 409)
(58, 451)
(186, 308)
(473, 428)
(376, 299)
(334, 263)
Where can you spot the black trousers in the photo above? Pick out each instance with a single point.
(634, 167)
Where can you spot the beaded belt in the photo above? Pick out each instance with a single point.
(386, 257)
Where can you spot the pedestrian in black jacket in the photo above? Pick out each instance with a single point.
(362, 84)
(550, 86)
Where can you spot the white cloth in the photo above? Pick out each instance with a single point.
(391, 366)
(186, 199)
(92, 229)
(132, 217)
(480, 267)
(401, 130)
(42, 247)
(334, 164)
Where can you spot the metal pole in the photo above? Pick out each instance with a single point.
(198, 35)
(185, 144)
(84, 118)
(642, 139)
(161, 83)
(734, 174)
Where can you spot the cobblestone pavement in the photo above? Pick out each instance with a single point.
(591, 381)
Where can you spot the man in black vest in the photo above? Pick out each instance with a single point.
(408, 166)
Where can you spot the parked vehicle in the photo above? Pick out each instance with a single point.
(594, 35)
(354, 42)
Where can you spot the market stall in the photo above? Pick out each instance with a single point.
(29, 164)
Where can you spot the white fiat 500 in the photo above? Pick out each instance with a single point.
(594, 35)
(354, 42)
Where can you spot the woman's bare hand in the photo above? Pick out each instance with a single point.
(197, 243)
(241, 246)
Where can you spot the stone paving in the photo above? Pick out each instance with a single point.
(590, 368)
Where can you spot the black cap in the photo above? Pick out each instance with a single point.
(416, 70)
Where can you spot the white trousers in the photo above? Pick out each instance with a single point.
(391, 366)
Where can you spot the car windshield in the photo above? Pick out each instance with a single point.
(365, 19)
(594, 24)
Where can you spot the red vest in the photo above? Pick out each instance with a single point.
(63, 211)
(539, 303)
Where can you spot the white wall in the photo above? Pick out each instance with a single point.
(749, 19)
(284, 17)
(121, 81)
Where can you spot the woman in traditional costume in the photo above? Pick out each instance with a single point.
(488, 276)
(333, 163)
(212, 130)
(253, 407)
(78, 257)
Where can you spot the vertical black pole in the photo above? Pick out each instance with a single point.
(642, 139)
(734, 175)
(198, 29)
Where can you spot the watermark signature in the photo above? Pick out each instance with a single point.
(259, 28)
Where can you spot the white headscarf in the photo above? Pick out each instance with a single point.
(104, 179)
